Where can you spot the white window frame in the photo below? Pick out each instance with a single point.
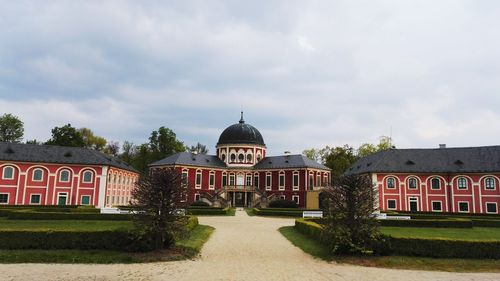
(248, 179)
(462, 180)
(211, 184)
(283, 197)
(197, 195)
(395, 204)
(296, 184)
(416, 183)
(5, 203)
(31, 199)
(256, 180)
(224, 182)
(3, 173)
(491, 203)
(494, 183)
(413, 199)
(298, 199)
(60, 175)
(468, 207)
(90, 200)
(92, 177)
(197, 184)
(281, 180)
(440, 206)
(387, 182)
(439, 181)
(269, 183)
(33, 175)
(65, 194)
(251, 158)
(318, 179)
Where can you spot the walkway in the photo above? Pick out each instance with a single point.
(241, 248)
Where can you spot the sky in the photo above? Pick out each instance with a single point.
(305, 73)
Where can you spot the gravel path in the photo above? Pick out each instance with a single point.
(241, 248)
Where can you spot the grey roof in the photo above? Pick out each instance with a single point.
(484, 159)
(58, 154)
(241, 133)
(288, 161)
(187, 158)
(212, 161)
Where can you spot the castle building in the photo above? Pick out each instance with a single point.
(59, 175)
(457, 180)
(242, 174)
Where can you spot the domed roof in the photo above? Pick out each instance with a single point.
(241, 133)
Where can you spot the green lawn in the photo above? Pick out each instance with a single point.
(476, 233)
(318, 250)
(185, 248)
(63, 225)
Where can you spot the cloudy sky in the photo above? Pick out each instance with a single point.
(306, 73)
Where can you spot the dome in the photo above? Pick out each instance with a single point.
(241, 133)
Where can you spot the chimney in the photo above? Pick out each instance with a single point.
(442, 145)
(287, 153)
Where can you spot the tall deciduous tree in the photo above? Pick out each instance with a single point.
(163, 143)
(157, 197)
(92, 141)
(339, 159)
(198, 149)
(11, 128)
(66, 135)
(112, 148)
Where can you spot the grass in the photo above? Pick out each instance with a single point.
(63, 225)
(318, 250)
(473, 234)
(250, 212)
(185, 248)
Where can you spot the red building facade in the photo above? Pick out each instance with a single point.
(241, 174)
(456, 180)
(54, 175)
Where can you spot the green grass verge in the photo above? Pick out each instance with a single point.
(185, 248)
(318, 250)
(63, 225)
(470, 234)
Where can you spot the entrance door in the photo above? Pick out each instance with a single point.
(239, 199)
(61, 199)
(414, 204)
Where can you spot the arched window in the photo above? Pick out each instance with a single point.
(259, 157)
(223, 157)
(412, 183)
(8, 173)
(249, 157)
(489, 183)
(64, 176)
(241, 157)
(390, 182)
(462, 183)
(38, 175)
(87, 176)
(233, 157)
(435, 183)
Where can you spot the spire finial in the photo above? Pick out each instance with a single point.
(241, 120)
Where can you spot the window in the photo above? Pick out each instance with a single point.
(197, 197)
(463, 207)
(391, 204)
(256, 180)
(233, 157)
(4, 198)
(435, 183)
(87, 177)
(35, 199)
(8, 173)
(282, 181)
(37, 175)
(211, 180)
(224, 179)
(412, 183)
(198, 179)
(185, 175)
(268, 181)
(249, 157)
(489, 183)
(232, 180)
(282, 197)
(241, 157)
(223, 157)
(491, 208)
(436, 206)
(462, 183)
(64, 176)
(85, 200)
(249, 180)
(295, 198)
(259, 157)
(391, 183)
(295, 181)
(311, 181)
(318, 180)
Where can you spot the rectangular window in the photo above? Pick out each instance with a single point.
(249, 180)
(185, 175)
(318, 180)
(412, 183)
(435, 184)
(391, 204)
(198, 180)
(4, 198)
(224, 180)
(211, 181)
(295, 198)
(37, 175)
(311, 182)
(87, 177)
(35, 199)
(463, 207)
(282, 197)
(256, 181)
(8, 173)
(282, 182)
(489, 183)
(436, 206)
(268, 181)
(197, 197)
(85, 200)
(491, 208)
(231, 180)
(296, 181)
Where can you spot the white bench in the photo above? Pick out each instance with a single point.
(398, 217)
(312, 214)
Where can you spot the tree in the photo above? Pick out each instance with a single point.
(66, 136)
(198, 149)
(349, 226)
(92, 141)
(112, 148)
(163, 143)
(129, 152)
(366, 149)
(34, 141)
(11, 128)
(157, 197)
(339, 159)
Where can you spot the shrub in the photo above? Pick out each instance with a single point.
(486, 223)
(278, 213)
(281, 203)
(200, 203)
(428, 223)
(65, 216)
(208, 211)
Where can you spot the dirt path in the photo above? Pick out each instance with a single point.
(241, 248)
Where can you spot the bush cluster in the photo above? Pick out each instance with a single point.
(200, 203)
(278, 212)
(282, 203)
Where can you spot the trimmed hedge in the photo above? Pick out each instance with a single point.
(192, 222)
(207, 211)
(65, 216)
(200, 203)
(428, 223)
(445, 214)
(282, 203)
(278, 213)
(309, 228)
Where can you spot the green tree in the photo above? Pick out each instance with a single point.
(339, 159)
(11, 128)
(112, 148)
(157, 197)
(66, 135)
(129, 151)
(163, 143)
(349, 226)
(92, 141)
(366, 149)
(198, 149)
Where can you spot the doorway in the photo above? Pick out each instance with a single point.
(413, 204)
(62, 198)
